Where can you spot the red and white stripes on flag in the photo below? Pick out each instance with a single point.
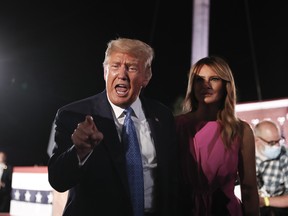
(32, 194)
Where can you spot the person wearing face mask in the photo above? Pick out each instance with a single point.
(271, 169)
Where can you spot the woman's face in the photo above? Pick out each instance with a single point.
(208, 86)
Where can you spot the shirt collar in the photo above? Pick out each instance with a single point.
(136, 106)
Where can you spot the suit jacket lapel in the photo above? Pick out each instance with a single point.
(107, 126)
(154, 123)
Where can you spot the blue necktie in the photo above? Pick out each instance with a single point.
(133, 164)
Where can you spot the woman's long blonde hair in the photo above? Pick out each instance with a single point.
(231, 125)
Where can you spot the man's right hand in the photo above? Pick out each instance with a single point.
(86, 136)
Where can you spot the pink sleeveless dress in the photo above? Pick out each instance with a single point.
(209, 169)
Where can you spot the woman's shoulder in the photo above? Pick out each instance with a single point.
(247, 133)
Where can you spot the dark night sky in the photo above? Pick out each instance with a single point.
(51, 54)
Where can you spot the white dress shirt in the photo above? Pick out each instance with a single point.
(146, 143)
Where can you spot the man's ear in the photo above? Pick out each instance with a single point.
(257, 140)
(147, 78)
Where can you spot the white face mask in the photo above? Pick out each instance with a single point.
(271, 152)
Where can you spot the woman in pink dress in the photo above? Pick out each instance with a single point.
(216, 148)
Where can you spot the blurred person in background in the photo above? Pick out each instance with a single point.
(271, 169)
(5, 183)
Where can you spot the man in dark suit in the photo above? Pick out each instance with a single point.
(5, 183)
(88, 158)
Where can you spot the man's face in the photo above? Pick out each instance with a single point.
(125, 76)
(2, 157)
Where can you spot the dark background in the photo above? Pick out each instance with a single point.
(51, 53)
